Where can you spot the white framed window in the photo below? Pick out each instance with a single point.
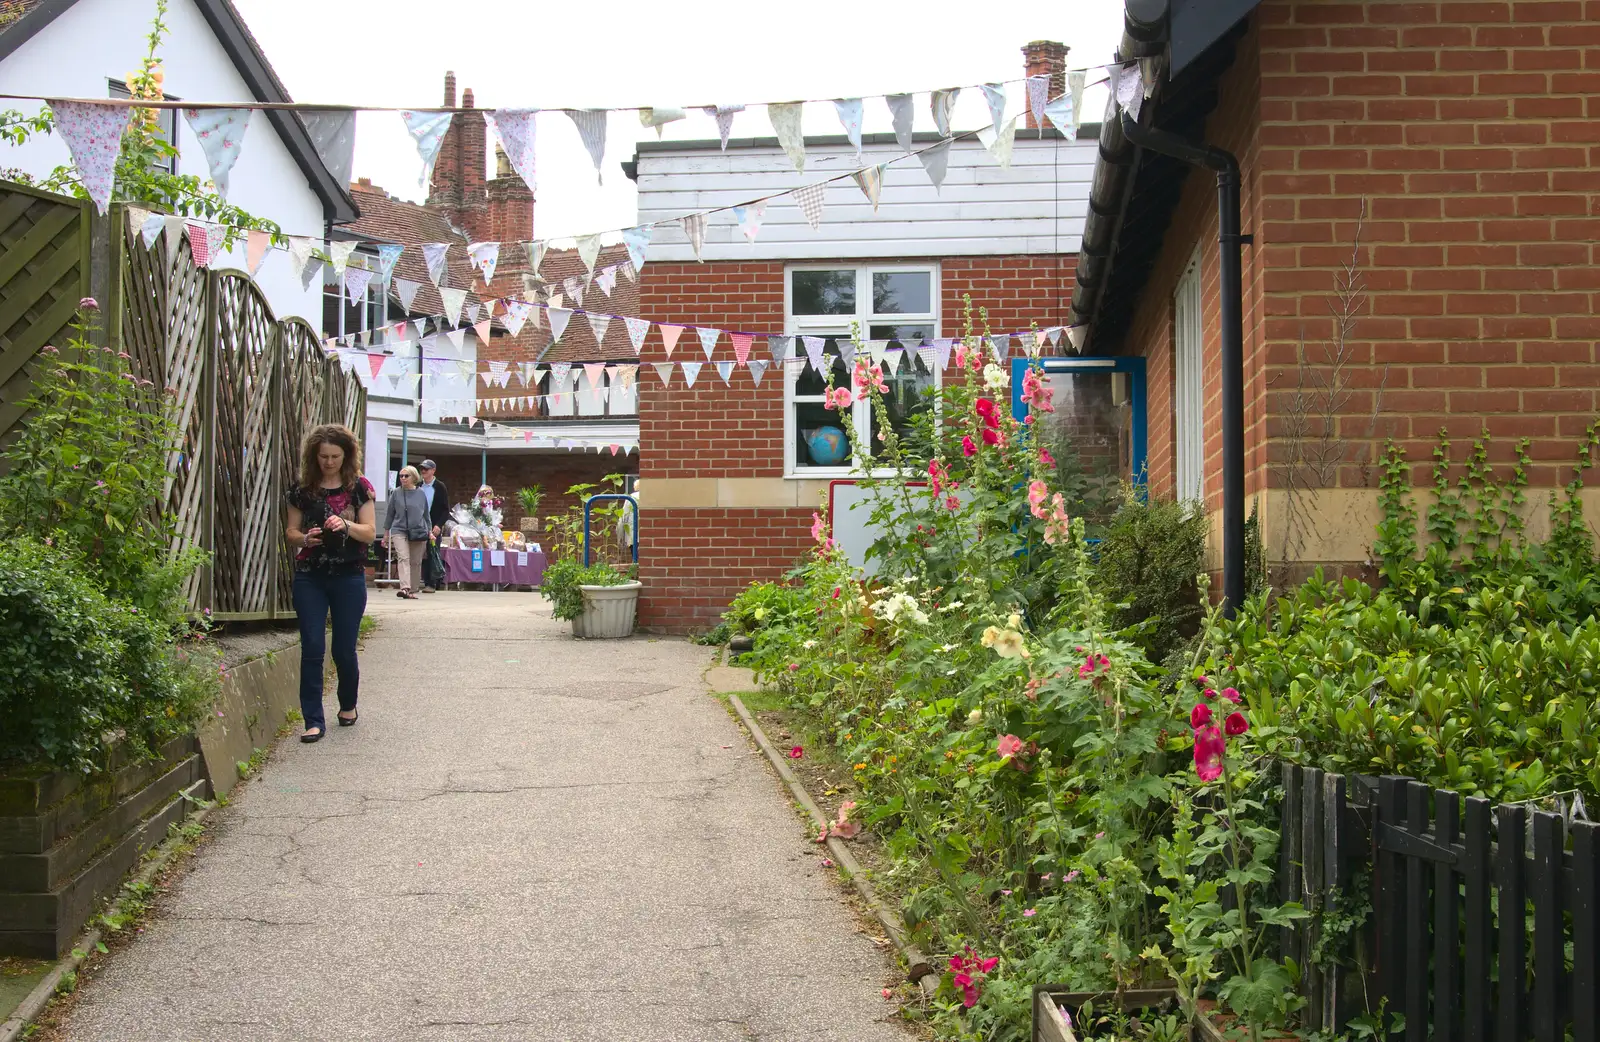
(1188, 386)
(894, 306)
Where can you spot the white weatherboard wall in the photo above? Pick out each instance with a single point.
(98, 40)
(1036, 206)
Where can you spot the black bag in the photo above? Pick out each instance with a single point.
(433, 567)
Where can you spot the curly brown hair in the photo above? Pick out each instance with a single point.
(329, 434)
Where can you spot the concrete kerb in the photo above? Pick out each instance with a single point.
(34, 1003)
(919, 970)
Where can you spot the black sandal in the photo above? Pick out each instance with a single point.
(309, 737)
(343, 722)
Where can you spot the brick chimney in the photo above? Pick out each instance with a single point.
(1045, 57)
(510, 223)
(458, 174)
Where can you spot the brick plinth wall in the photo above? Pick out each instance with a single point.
(693, 563)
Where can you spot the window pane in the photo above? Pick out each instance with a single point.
(902, 336)
(822, 436)
(908, 396)
(902, 292)
(824, 292)
(1090, 434)
(809, 381)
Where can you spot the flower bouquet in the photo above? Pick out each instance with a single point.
(482, 515)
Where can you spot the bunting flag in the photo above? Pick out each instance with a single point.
(482, 329)
(1054, 335)
(388, 254)
(356, 281)
(660, 117)
(1001, 346)
(942, 348)
(785, 119)
(758, 369)
(995, 95)
(813, 346)
(723, 114)
(589, 250)
(779, 347)
(375, 363)
(936, 162)
(434, 253)
(725, 370)
(691, 370)
(607, 280)
(93, 133)
(810, 199)
(750, 218)
(741, 346)
(664, 371)
(900, 112)
(333, 135)
(1128, 88)
(407, 292)
(636, 239)
(708, 339)
(669, 335)
(559, 317)
(591, 124)
(174, 227)
(458, 340)
(595, 371)
(516, 316)
(599, 323)
(892, 359)
(1038, 96)
(517, 132)
(221, 134)
(453, 299)
(200, 244)
(943, 105)
(422, 324)
(637, 328)
(625, 375)
(559, 376)
(150, 228)
(870, 181)
(1075, 336)
(536, 251)
(484, 256)
(849, 110)
(694, 226)
(999, 145)
(1062, 116)
(928, 356)
(427, 130)
(257, 243)
(339, 256)
(472, 313)
(1075, 84)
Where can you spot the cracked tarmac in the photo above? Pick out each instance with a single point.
(555, 849)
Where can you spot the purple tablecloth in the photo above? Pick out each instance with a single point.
(458, 567)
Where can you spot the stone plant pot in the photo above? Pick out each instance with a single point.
(608, 611)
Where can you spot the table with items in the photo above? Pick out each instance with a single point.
(492, 567)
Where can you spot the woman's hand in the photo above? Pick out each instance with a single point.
(335, 523)
(313, 537)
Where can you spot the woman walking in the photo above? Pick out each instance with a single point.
(406, 529)
(331, 526)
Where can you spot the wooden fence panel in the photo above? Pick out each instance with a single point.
(44, 272)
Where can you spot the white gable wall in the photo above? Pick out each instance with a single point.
(97, 40)
(1036, 206)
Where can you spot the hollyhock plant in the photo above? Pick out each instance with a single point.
(1200, 715)
(991, 436)
(1208, 752)
(1008, 746)
(967, 973)
(969, 448)
(1231, 695)
(986, 409)
(1235, 724)
(1036, 393)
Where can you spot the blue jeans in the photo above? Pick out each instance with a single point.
(315, 596)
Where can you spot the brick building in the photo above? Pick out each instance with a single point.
(1425, 169)
(728, 482)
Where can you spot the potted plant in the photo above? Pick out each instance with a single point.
(530, 498)
(599, 601)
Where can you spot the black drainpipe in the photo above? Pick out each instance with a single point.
(1230, 241)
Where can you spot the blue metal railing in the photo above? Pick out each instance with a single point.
(610, 495)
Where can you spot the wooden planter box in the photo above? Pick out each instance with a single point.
(1050, 1026)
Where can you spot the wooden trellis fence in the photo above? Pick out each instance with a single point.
(248, 386)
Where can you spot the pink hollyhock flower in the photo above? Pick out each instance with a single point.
(794, 667)
(1030, 913)
(937, 476)
(1047, 459)
(1231, 695)
(1200, 715)
(1236, 724)
(961, 355)
(969, 447)
(1008, 746)
(818, 527)
(1073, 875)
(1208, 693)
(952, 504)
(798, 751)
(1036, 393)
(991, 436)
(1208, 752)
(1038, 493)
(888, 994)
(836, 593)
(985, 408)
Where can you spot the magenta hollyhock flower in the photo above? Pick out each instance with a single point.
(1208, 693)
(48, 350)
(952, 504)
(1231, 695)
(968, 446)
(1008, 746)
(1029, 914)
(1047, 459)
(1208, 751)
(1236, 724)
(796, 752)
(991, 436)
(1200, 715)
(985, 407)
(88, 304)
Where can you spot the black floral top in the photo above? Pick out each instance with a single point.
(338, 553)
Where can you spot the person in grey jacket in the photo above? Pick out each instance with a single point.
(406, 528)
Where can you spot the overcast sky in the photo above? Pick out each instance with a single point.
(601, 53)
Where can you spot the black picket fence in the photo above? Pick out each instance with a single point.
(1484, 920)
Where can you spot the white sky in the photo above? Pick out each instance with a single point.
(600, 53)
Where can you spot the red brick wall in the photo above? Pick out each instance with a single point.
(693, 563)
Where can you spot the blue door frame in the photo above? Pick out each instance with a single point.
(1132, 366)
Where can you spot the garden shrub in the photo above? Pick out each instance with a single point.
(1146, 564)
(562, 580)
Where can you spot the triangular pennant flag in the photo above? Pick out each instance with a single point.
(221, 134)
(453, 299)
(1075, 84)
(659, 117)
(708, 339)
(778, 347)
(999, 145)
(694, 226)
(741, 345)
(560, 376)
(814, 346)
(376, 362)
(624, 375)
(488, 380)
(595, 371)
(591, 124)
(810, 200)
(1075, 336)
(758, 369)
(484, 256)
(725, 370)
(407, 292)
(935, 161)
(300, 250)
(1038, 95)
(691, 371)
(536, 251)
(137, 215)
(589, 251)
(942, 348)
(434, 254)
(630, 271)
(723, 114)
(516, 130)
(356, 281)
(669, 335)
(93, 133)
(1000, 346)
(943, 104)
(339, 256)
(333, 135)
(1060, 114)
(1053, 334)
(599, 323)
(892, 358)
(174, 227)
(995, 95)
(559, 317)
(664, 371)
(607, 280)
(636, 239)
(421, 323)
(516, 315)
(1128, 88)
(257, 243)
(200, 244)
(750, 218)
(870, 181)
(847, 352)
(458, 339)
(483, 331)
(388, 254)
(875, 350)
(785, 117)
(926, 353)
(849, 110)
(427, 130)
(637, 328)
(150, 229)
(900, 112)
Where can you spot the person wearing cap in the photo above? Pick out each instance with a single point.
(438, 497)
